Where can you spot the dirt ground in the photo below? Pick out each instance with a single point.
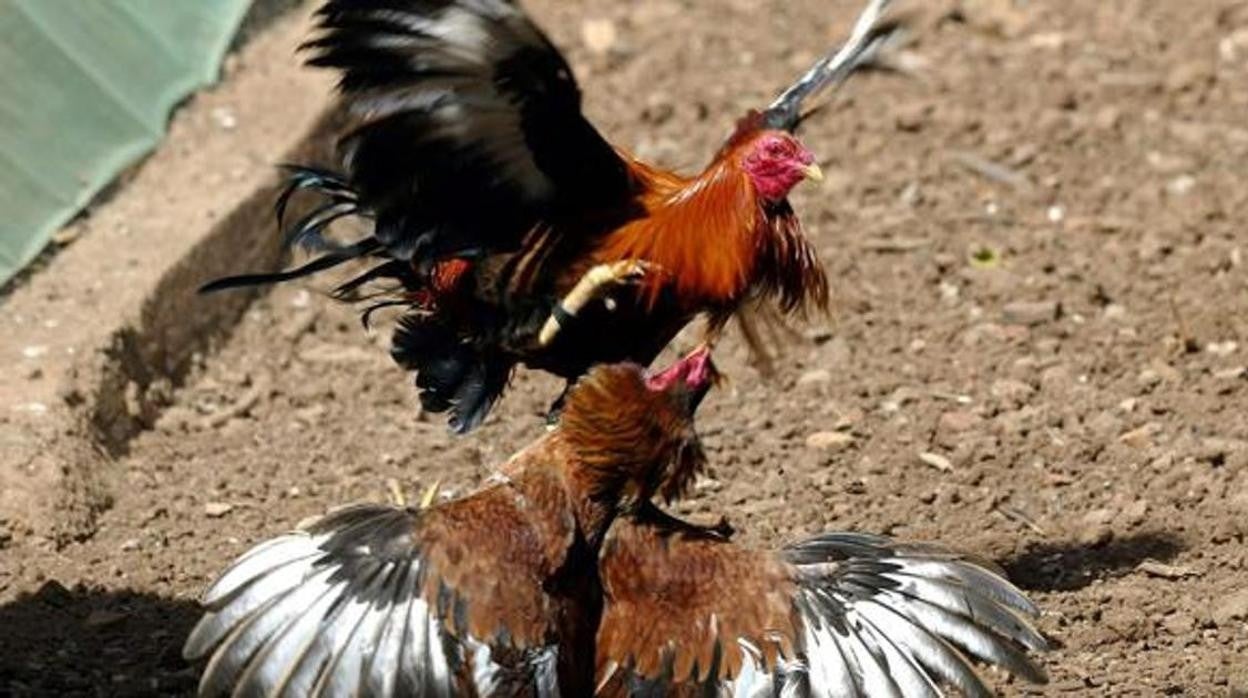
(1037, 354)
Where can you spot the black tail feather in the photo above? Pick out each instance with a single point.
(308, 232)
(342, 202)
(366, 317)
(452, 375)
(393, 269)
(871, 34)
(327, 261)
(325, 182)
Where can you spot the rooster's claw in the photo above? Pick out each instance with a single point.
(591, 286)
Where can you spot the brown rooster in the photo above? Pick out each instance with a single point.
(512, 230)
(492, 590)
(560, 578)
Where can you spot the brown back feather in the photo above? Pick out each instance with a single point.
(679, 600)
(522, 531)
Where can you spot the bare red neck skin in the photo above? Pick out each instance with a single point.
(695, 370)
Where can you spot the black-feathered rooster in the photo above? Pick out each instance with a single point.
(506, 219)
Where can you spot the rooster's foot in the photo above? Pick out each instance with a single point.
(591, 286)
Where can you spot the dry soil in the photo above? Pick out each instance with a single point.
(1037, 353)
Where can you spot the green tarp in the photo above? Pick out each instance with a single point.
(86, 87)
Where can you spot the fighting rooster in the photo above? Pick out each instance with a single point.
(561, 578)
(491, 594)
(512, 230)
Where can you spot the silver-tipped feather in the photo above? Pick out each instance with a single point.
(334, 610)
(868, 38)
(877, 618)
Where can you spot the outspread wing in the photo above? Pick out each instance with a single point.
(837, 615)
(469, 129)
(344, 607)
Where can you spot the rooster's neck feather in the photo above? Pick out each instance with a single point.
(625, 443)
(701, 231)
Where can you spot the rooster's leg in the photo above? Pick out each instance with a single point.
(592, 285)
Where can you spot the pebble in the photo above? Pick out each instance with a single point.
(1104, 426)
(1222, 349)
(1168, 164)
(952, 428)
(1135, 513)
(937, 461)
(225, 118)
(1094, 527)
(774, 484)
(898, 399)
(216, 510)
(1159, 569)
(1231, 608)
(1149, 378)
(1229, 374)
(912, 118)
(1108, 118)
(599, 35)
(1164, 372)
(911, 195)
(1181, 185)
(1141, 437)
(1179, 623)
(1017, 421)
(659, 110)
(1010, 390)
(176, 419)
(837, 352)
(848, 419)
(1031, 314)
(1190, 75)
(817, 377)
(1221, 451)
(829, 441)
(1000, 18)
(958, 421)
(819, 335)
(707, 484)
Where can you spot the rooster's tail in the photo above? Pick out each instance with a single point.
(452, 374)
(339, 200)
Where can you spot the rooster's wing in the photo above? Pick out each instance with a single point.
(469, 129)
(381, 601)
(840, 614)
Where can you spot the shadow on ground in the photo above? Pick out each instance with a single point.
(84, 642)
(1070, 565)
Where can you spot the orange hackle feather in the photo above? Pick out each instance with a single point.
(714, 239)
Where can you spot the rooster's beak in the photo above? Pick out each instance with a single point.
(813, 172)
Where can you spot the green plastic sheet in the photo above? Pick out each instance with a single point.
(86, 87)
